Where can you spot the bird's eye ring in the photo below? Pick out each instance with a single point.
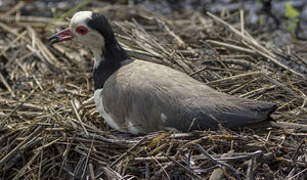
(81, 30)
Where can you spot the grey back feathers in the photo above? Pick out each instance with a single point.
(155, 97)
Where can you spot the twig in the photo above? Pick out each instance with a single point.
(79, 167)
(162, 169)
(87, 102)
(110, 174)
(78, 116)
(231, 46)
(250, 174)
(297, 149)
(87, 159)
(15, 150)
(12, 43)
(181, 43)
(234, 77)
(231, 169)
(242, 21)
(286, 125)
(247, 156)
(33, 19)
(27, 166)
(186, 169)
(91, 169)
(16, 107)
(13, 31)
(127, 152)
(18, 6)
(298, 174)
(278, 84)
(7, 85)
(255, 45)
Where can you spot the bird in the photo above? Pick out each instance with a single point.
(139, 97)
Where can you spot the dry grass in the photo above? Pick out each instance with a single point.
(46, 132)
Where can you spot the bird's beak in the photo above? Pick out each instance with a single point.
(64, 35)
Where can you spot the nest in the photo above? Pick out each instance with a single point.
(47, 132)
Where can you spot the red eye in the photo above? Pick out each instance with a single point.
(81, 30)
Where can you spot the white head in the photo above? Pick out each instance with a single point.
(94, 31)
(87, 28)
(84, 34)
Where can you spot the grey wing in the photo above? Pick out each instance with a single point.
(152, 97)
(229, 111)
(145, 96)
(188, 111)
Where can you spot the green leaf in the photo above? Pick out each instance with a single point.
(291, 12)
(292, 15)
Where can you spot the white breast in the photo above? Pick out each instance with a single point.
(99, 105)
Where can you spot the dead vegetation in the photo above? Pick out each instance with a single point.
(47, 133)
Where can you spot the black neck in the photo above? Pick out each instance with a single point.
(113, 55)
(112, 59)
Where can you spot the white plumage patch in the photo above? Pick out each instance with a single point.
(99, 105)
(93, 39)
(81, 17)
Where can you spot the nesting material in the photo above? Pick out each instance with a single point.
(50, 128)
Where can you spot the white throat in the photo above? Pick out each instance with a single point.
(97, 52)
